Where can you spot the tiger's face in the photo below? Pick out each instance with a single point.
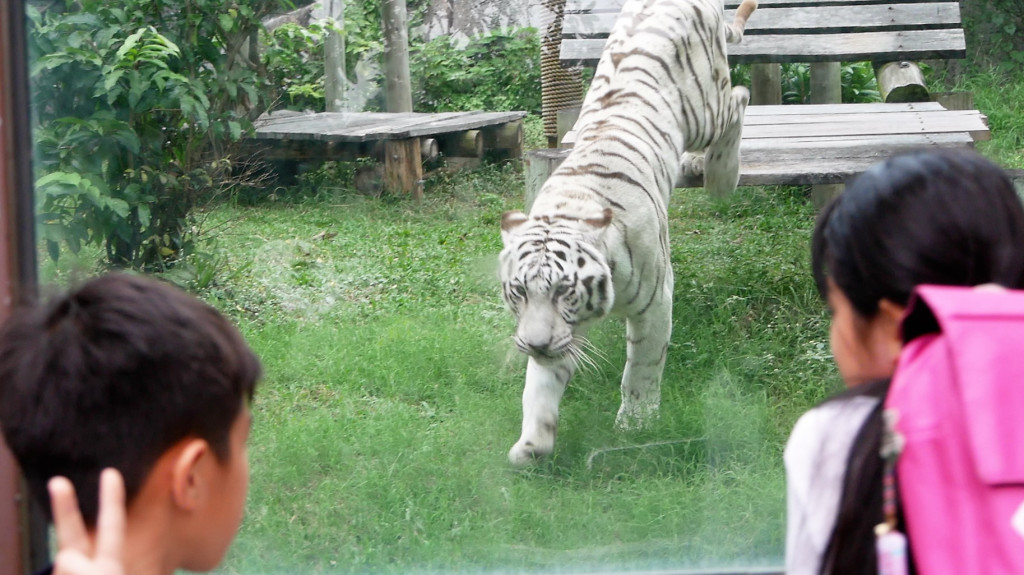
(554, 283)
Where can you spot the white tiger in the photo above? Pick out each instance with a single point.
(596, 238)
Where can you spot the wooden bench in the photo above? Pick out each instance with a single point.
(808, 143)
(287, 138)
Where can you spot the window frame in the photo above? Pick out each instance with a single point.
(23, 535)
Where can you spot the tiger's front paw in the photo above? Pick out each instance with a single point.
(525, 452)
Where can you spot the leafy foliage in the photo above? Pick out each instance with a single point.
(995, 33)
(293, 56)
(859, 83)
(497, 71)
(857, 79)
(137, 104)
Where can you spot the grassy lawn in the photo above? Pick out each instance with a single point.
(392, 388)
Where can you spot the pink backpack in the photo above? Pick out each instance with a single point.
(958, 398)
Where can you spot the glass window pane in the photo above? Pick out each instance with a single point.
(393, 388)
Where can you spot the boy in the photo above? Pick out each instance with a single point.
(130, 373)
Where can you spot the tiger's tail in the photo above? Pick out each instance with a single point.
(734, 31)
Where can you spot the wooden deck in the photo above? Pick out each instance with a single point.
(830, 143)
(401, 140)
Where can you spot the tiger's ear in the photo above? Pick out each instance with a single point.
(510, 221)
(603, 221)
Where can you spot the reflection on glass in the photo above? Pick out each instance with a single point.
(392, 388)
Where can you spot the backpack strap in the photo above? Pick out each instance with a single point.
(984, 331)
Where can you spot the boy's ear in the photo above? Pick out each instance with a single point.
(188, 484)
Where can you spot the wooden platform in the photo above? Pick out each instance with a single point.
(371, 126)
(829, 143)
(401, 141)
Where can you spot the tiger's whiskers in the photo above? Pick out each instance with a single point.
(583, 354)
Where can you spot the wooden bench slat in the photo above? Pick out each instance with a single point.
(853, 47)
(899, 120)
(870, 18)
(872, 108)
(809, 161)
(599, 6)
(866, 127)
(834, 123)
(367, 126)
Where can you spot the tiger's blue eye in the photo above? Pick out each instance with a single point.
(519, 290)
(561, 290)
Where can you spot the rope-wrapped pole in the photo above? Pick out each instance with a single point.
(561, 88)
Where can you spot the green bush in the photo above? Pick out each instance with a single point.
(498, 71)
(137, 105)
(293, 57)
(857, 80)
(995, 33)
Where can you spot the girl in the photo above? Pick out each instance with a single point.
(945, 217)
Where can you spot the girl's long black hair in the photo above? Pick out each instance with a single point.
(943, 216)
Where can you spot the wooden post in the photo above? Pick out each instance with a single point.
(826, 88)
(403, 169)
(540, 164)
(765, 84)
(334, 57)
(565, 120)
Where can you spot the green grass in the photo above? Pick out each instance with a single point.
(392, 389)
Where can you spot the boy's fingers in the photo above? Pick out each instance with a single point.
(67, 518)
(111, 521)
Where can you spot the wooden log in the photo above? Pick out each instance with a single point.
(505, 137)
(403, 168)
(504, 141)
(900, 82)
(468, 144)
(765, 84)
(429, 149)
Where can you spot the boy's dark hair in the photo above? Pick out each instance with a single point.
(113, 374)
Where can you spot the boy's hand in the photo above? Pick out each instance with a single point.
(76, 553)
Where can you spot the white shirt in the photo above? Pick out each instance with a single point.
(815, 457)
